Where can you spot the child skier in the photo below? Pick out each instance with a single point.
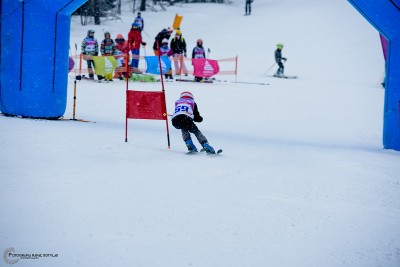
(139, 21)
(89, 48)
(186, 113)
(134, 41)
(166, 51)
(121, 53)
(107, 49)
(278, 60)
(198, 52)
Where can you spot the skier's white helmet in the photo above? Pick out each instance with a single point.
(187, 95)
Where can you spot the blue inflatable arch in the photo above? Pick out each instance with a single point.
(384, 15)
(34, 56)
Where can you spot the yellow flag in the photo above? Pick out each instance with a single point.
(104, 65)
(177, 22)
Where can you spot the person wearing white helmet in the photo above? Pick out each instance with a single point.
(184, 118)
(165, 50)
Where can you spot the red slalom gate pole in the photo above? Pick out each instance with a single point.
(126, 97)
(236, 64)
(163, 90)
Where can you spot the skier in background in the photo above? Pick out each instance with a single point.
(166, 51)
(121, 52)
(89, 48)
(198, 52)
(184, 118)
(248, 6)
(164, 34)
(178, 46)
(107, 48)
(134, 42)
(278, 59)
(139, 21)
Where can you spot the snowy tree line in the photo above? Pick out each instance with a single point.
(93, 10)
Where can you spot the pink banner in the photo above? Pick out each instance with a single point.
(384, 45)
(205, 67)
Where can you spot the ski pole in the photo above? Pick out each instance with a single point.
(146, 33)
(74, 105)
(144, 48)
(269, 69)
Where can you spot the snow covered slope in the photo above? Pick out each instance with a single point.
(303, 179)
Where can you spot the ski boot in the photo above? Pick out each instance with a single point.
(209, 149)
(191, 147)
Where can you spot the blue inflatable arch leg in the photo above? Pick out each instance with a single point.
(384, 15)
(34, 56)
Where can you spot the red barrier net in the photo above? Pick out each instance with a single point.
(145, 105)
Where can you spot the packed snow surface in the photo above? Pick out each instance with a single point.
(303, 179)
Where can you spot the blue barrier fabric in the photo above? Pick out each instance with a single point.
(384, 15)
(34, 56)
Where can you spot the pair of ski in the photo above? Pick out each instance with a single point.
(194, 81)
(83, 77)
(78, 120)
(92, 80)
(217, 152)
(282, 76)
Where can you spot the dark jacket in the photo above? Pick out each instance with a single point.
(178, 45)
(278, 56)
(198, 52)
(161, 36)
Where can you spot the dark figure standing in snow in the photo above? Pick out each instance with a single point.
(164, 34)
(139, 21)
(248, 6)
(278, 59)
(185, 115)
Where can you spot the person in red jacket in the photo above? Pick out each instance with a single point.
(121, 52)
(134, 42)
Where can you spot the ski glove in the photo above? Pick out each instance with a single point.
(198, 118)
(184, 54)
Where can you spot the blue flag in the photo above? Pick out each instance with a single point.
(154, 67)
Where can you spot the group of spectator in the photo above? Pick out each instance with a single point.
(121, 47)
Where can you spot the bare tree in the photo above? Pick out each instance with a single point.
(143, 5)
(96, 12)
(119, 7)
